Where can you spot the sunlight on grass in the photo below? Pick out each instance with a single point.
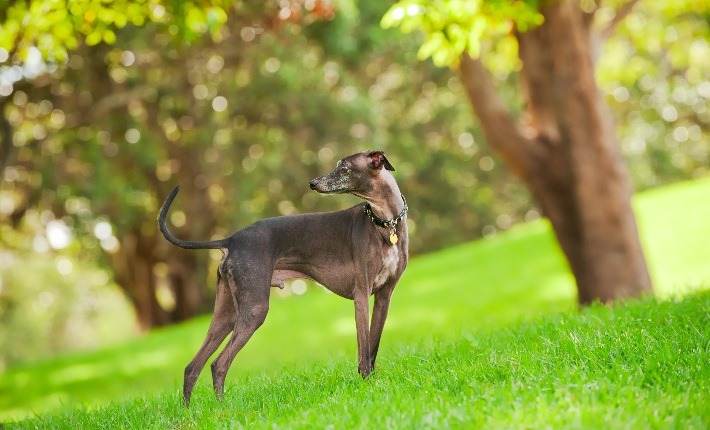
(674, 228)
(146, 361)
(80, 372)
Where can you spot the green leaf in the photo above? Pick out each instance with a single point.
(109, 37)
(431, 45)
(195, 20)
(120, 20)
(107, 15)
(445, 56)
(63, 30)
(474, 46)
(216, 15)
(94, 38)
(478, 28)
(393, 17)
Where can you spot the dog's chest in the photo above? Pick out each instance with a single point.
(390, 261)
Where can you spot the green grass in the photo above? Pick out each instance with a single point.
(443, 299)
(641, 365)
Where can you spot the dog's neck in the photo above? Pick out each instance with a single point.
(385, 199)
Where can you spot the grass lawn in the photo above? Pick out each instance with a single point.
(459, 340)
(642, 365)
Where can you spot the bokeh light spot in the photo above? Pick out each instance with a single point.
(219, 104)
(299, 287)
(58, 234)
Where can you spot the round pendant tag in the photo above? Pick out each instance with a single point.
(393, 238)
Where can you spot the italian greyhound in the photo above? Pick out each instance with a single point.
(355, 253)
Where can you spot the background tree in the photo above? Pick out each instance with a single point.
(98, 138)
(563, 144)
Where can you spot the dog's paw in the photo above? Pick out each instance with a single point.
(365, 370)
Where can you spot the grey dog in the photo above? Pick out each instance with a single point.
(355, 253)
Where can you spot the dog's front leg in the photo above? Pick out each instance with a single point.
(363, 334)
(379, 315)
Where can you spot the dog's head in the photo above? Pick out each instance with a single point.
(354, 174)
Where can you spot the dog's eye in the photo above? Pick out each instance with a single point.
(344, 169)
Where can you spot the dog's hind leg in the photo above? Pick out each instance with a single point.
(252, 306)
(222, 323)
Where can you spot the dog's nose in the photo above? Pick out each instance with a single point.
(313, 184)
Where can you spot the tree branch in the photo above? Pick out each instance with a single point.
(6, 133)
(502, 130)
(622, 13)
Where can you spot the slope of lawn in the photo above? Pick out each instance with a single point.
(477, 286)
(641, 365)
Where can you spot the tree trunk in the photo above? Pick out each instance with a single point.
(134, 270)
(566, 153)
(185, 275)
(188, 284)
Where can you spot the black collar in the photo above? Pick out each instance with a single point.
(386, 223)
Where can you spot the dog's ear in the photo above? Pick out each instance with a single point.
(378, 160)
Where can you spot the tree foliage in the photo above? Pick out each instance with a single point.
(57, 27)
(659, 96)
(452, 27)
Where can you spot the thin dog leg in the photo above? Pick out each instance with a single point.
(251, 291)
(363, 335)
(243, 331)
(222, 323)
(379, 315)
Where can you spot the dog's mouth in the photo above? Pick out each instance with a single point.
(336, 191)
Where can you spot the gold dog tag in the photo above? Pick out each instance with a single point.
(393, 238)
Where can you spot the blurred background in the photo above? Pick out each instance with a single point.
(242, 106)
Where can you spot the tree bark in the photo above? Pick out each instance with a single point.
(133, 270)
(134, 264)
(566, 153)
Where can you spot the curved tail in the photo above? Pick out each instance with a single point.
(187, 244)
